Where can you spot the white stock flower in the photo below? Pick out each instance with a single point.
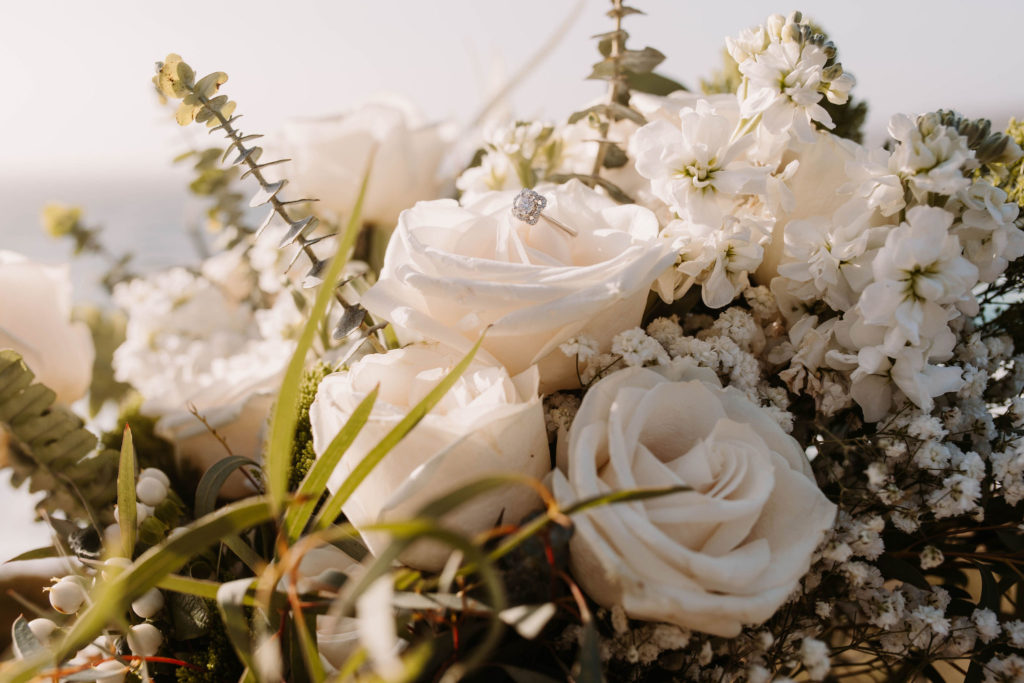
(724, 555)
(719, 259)
(451, 271)
(695, 167)
(932, 162)
(188, 343)
(330, 156)
(488, 423)
(919, 270)
(35, 321)
(784, 88)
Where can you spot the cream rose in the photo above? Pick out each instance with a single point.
(35, 321)
(329, 158)
(727, 553)
(450, 271)
(487, 423)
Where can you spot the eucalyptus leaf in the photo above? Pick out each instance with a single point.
(641, 61)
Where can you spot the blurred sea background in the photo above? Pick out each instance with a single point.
(82, 125)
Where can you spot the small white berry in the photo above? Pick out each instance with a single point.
(149, 603)
(144, 640)
(67, 596)
(155, 473)
(112, 535)
(142, 512)
(113, 566)
(151, 491)
(111, 671)
(42, 629)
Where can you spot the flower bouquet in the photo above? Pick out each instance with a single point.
(691, 385)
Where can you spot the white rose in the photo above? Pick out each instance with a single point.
(329, 157)
(35, 321)
(488, 423)
(727, 553)
(450, 271)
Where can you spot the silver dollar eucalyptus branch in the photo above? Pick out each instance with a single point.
(200, 103)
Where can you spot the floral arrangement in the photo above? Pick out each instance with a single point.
(691, 386)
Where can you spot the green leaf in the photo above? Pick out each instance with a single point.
(35, 554)
(315, 482)
(332, 508)
(613, 190)
(652, 83)
(588, 663)
(614, 156)
(285, 415)
(126, 508)
(25, 642)
(611, 110)
(641, 61)
(231, 604)
(623, 497)
(213, 480)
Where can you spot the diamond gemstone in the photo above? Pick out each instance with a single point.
(527, 206)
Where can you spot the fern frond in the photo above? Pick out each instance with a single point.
(50, 446)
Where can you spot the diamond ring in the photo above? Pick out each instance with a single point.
(528, 206)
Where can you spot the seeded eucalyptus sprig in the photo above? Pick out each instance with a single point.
(200, 103)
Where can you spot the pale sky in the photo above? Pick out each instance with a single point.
(76, 74)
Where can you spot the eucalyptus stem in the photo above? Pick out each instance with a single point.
(616, 86)
(249, 156)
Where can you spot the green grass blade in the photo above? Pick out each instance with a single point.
(332, 508)
(286, 408)
(213, 479)
(315, 482)
(127, 513)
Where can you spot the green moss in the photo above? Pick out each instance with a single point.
(213, 655)
(302, 449)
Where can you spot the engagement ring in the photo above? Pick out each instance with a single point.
(528, 206)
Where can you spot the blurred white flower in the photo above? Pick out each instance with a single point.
(330, 155)
(35, 321)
